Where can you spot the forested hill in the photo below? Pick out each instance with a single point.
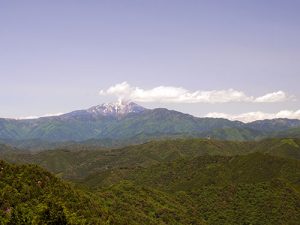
(250, 189)
(31, 195)
(79, 162)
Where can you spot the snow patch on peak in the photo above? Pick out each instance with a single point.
(116, 108)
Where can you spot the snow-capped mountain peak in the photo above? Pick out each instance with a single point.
(116, 108)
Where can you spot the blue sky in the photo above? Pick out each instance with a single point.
(55, 56)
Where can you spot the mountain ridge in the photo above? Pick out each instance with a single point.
(129, 121)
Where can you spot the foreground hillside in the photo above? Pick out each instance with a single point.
(182, 181)
(31, 195)
(249, 189)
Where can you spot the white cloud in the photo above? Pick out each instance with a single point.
(252, 116)
(36, 117)
(171, 94)
(278, 96)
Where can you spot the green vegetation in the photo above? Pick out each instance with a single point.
(134, 128)
(292, 132)
(182, 181)
(262, 203)
(137, 204)
(103, 167)
(188, 174)
(30, 194)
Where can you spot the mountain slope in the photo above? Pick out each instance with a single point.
(7, 149)
(249, 189)
(114, 121)
(72, 163)
(274, 124)
(103, 167)
(137, 204)
(291, 132)
(31, 195)
(161, 182)
(189, 174)
(131, 123)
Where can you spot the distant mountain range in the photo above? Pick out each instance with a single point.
(129, 122)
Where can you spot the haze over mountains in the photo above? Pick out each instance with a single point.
(124, 121)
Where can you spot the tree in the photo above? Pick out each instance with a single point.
(53, 214)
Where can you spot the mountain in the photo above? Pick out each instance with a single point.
(77, 163)
(75, 126)
(196, 181)
(188, 174)
(274, 124)
(98, 167)
(249, 189)
(115, 110)
(32, 195)
(7, 149)
(129, 123)
(115, 121)
(291, 132)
